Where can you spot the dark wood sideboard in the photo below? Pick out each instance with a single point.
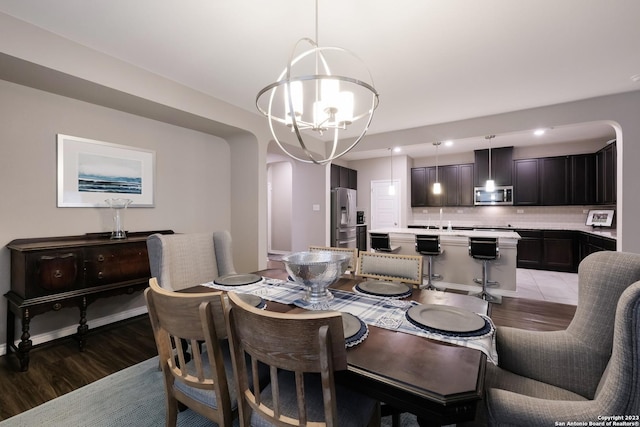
(48, 274)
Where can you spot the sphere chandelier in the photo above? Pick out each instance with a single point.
(311, 98)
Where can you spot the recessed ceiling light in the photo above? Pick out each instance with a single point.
(448, 143)
(539, 132)
(397, 149)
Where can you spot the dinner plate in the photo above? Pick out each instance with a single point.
(382, 288)
(237, 279)
(251, 299)
(445, 318)
(351, 325)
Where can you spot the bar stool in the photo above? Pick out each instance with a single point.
(429, 246)
(486, 250)
(380, 243)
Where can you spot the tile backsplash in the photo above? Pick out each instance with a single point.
(503, 216)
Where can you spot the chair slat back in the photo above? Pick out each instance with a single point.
(292, 345)
(392, 267)
(190, 318)
(353, 252)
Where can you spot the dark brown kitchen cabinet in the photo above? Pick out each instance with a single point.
(422, 180)
(606, 160)
(465, 185)
(343, 177)
(530, 248)
(48, 274)
(501, 166)
(554, 180)
(432, 178)
(450, 185)
(361, 237)
(555, 250)
(590, 243)
(456, 182)
(560, 251)
(526, 175)
(418, 187)
(582, 181)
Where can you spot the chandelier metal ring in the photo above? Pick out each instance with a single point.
(324, 118)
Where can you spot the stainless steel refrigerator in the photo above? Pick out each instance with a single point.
(343, 218)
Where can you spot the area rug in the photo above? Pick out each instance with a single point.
(131, 397)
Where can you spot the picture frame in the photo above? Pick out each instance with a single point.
(90, 171)
(600, 217)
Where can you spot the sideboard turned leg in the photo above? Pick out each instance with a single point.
(25, 343)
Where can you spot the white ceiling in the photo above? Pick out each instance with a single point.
(431, 61)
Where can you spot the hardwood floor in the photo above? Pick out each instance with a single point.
(58, 367)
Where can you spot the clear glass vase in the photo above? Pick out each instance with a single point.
(117, 208)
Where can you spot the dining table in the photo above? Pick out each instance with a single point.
(438, 381)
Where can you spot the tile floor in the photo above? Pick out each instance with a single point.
(549, 286)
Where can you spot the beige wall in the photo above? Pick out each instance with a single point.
(192, 181)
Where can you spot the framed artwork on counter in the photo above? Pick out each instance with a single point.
(89, 172)
(600, 217)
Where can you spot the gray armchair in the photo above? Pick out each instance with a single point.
(180, 261)
(588, 370)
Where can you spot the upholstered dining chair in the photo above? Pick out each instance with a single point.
(391, 267)
(180, 261)
(205, 384)
(578, 374)
(353, 253)
(303, 352)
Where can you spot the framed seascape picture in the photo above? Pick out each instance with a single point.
(600, 218)
(89, 172)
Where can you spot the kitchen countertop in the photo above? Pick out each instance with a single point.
(500, 234)
(602, 232)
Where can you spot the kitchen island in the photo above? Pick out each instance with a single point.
(455, 265)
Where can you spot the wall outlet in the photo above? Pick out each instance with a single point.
(460, 211)
(425, 211)
(585, 210)
(520, 211)
(316, 208)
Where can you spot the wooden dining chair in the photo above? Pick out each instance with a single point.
(391, 267)
(353, 252)
(202, 384)
(303, 352)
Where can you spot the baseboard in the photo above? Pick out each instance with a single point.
(70, 330)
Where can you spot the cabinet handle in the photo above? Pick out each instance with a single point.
(57, 274)
(100, 257)
(57, 306)
(100, 275)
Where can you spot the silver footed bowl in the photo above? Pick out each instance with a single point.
(316, 271)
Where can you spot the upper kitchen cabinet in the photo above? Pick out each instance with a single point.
(418, 187)
(542, 181)
(526, 174)
(456, 182)
(501, 166)
(582, 181)
(606, 160)
(344, 177)
(554, 180)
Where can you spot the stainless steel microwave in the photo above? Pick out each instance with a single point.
(500, 196)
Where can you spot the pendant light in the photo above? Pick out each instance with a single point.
(437, 188)
(490, 185)
(392, 188)
(313, 100)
